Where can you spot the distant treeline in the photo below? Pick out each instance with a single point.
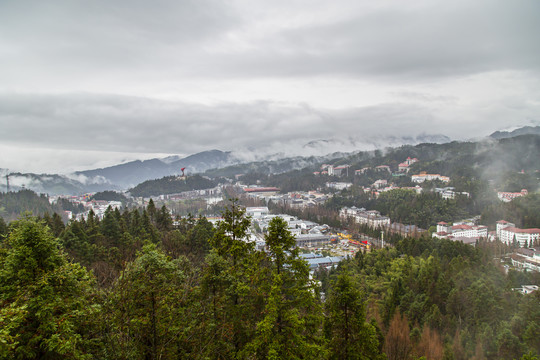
(13, 204)
(172, 185)
(468, 164)
(110, 196)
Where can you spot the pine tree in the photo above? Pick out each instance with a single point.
(3, 229)
(230, 244)
(163, 219)
(348, 333)
(110, 227)
(151, 208)
(292, 319)
(147, 308)
(43, 297)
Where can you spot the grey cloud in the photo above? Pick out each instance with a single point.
(131, 124)
(437, 40)
(119, 40)
(106, 38)
(118, 123)
(101, 125)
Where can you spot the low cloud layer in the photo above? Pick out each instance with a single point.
(122, 124)
(108, 81)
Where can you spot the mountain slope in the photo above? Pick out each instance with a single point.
(526, 130)
(135, 172)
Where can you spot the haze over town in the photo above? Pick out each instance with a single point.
(87, 85)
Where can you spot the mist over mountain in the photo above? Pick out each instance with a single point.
(134, 172)
(116, 177)
(55, 184)
(526, 130)
(220, 163)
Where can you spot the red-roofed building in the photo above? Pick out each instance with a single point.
(420, 178)
(509, 196)
(361, 171)
(403, 167)
(338, 170)
(508, 233)
(446, 231)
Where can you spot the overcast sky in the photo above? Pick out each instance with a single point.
(92, 83)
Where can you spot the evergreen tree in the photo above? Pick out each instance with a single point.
(290, 328)
(43, 297)
(110, 227)
(148, 309)
(229, 243)
(151, 208)
(163, 219)
(3, 229)
(349, 335)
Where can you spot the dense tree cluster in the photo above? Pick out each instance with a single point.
(13, 204)
(109, 195)
(406, 206)
(172, 185)
(444, 300)
(523, 211)
(133, 286)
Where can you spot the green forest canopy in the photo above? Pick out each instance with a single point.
(132, 286)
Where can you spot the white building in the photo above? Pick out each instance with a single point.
(526, 259)
(372, 218)
(446, 231)
(508, 233)
(338, 185)
(509, 196)
(420, 178)
(257, 212)
(380, 183)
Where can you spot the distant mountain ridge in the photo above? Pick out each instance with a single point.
(118, 177)
(135, 172)
(323, 147)
(213, 163)
(130, 174)
(526, 130)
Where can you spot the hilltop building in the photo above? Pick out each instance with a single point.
(420, 178)
(404, 166)
(380, 183)
(460, 231)
(508, 233)
(372, 218)
(338, 170)
(338, 185)
(509, 196)
(361, 171)
(261, 190)
(450, 193)
(526, 259)
(257, 212)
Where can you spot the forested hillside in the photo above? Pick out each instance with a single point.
(131, 286)
(172, 185)
(13, 204)
(471, 166)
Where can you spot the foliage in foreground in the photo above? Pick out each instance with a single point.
(130, 286)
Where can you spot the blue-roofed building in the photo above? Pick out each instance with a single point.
(327, 261)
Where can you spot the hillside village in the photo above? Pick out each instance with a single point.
(262, 180)
(449, 232)
(311, 235)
